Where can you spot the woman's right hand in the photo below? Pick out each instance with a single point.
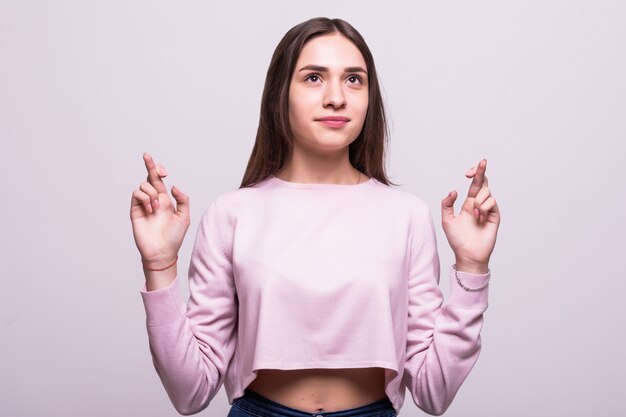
(158, 227)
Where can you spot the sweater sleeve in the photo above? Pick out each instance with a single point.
(443, 341)
(191, 350)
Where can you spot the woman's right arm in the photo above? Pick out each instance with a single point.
(190, 349)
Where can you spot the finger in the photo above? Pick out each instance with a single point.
(447, 207)
(483, 195)
(486, 207)
(470, 173)
(495, 211)
(141, 199)
(478, 179)
(153, 175)
(161, 170)
(182, 202)
(147, 188)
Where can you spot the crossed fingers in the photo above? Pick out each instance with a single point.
(155, 172)
(480, 192)
(149, 190)
(479, 179)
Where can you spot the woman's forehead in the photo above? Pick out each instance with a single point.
(333, 51)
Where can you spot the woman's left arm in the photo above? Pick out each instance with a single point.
(443, 341)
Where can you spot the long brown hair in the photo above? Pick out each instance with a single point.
(273, 143)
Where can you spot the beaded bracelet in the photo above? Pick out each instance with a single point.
(471, 289)
(160, 269)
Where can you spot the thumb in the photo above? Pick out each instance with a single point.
(447, 207)
(182, 202)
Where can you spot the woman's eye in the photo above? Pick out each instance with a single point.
(311, 76)
(356, 77)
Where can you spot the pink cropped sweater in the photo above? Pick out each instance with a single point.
(287, 275)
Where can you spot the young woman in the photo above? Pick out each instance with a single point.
(314, 285)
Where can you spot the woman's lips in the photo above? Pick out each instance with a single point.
(333, 123)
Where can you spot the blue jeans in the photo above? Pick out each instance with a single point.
(253, 404)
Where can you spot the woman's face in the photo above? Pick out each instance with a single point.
(329, 79)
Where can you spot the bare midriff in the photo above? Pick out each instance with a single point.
(312, 390)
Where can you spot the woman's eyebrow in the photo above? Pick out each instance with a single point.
(325, 69)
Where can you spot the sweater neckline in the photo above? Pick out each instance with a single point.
(326, 186)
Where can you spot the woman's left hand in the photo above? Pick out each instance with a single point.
(472, 234)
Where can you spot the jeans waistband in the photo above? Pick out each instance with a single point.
(263, 406)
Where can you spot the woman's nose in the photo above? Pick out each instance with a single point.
(333, 95)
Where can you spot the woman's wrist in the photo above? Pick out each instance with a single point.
(160, 273)
(160, 279)
(160, 264)
(471, 267)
